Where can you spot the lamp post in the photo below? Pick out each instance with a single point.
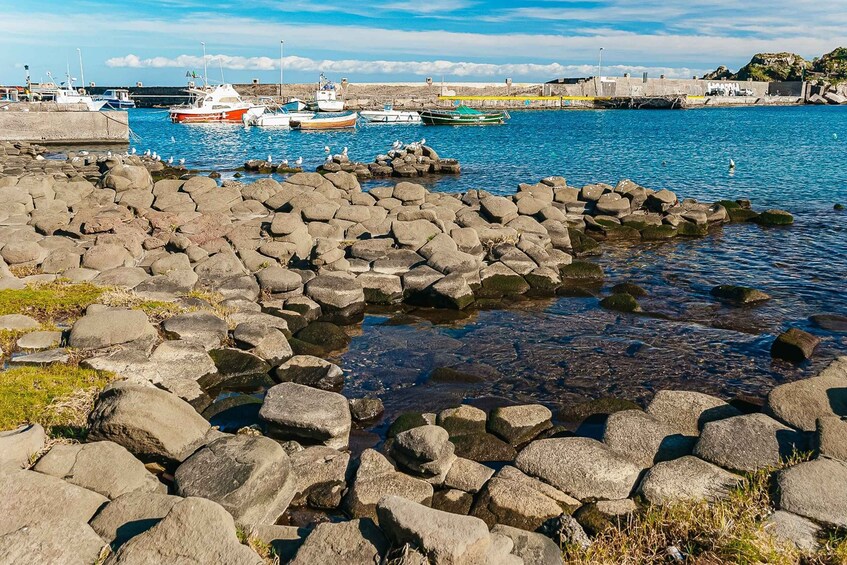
(281, 64)
(600, 73)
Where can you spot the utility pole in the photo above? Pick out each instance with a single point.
(281, 65)
(600, 74)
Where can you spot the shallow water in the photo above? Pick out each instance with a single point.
(562, 350)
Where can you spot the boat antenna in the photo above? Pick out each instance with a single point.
(205, 70)
(81, 72)
(221, 63)
(281, 65)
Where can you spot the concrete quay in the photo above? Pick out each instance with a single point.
(48, 123)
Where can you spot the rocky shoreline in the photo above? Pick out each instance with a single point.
(196, 287)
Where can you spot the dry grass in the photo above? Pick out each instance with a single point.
(724, 532)
(156, 310)
(59, 397)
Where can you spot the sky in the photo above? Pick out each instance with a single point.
(123, 42)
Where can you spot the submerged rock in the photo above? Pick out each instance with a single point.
(739, 294)
(774, 218)
(620, 302)
(794, 345)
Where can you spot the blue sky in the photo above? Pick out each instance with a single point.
(403, 40)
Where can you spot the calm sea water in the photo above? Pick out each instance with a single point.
(567, 349)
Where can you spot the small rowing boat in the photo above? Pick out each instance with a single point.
(462, 116)
(321, 123)
(388, 115)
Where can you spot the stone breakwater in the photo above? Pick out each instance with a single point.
(258, 276)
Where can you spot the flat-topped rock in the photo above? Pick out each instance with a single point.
(815, 490)
(375, 479)
(31, 498)
(202, 327)
(194, 527)
(748, 442)
(530, 546)
(131, 514)
(519, 424)
(445, 538)
(59, 541)
(17, 446)
(102, 466)
(643, 439)
(688, 478)
(306, 414)
(581, 467)
(688, 411)
(112, 326)
(353, 541)
(248, 476)
(311, 371)
(800, 403)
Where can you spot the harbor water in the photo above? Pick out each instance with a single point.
(563, 350)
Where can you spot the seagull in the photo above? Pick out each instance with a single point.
(329, 158)
(299, 161)
(326, 149)
(731, 165)
(173, 140)
(344, 152)
(423, 141)
(154, 155)
(170, 160)
(147, 153)
(133, 151)
(83, 153)
(108, 154)
(270, 159)
(181, 162)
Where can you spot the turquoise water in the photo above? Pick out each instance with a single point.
(566, 349)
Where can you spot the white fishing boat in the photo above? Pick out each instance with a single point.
(279, 118)
(221, 103)
(326, 97)
(65, 93)
(388, 115)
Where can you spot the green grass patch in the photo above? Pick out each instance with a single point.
(59, 397)
(50, 301)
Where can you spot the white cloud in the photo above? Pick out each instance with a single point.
(537, 71)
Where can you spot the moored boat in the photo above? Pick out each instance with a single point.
(326, 97)
(219, 104)
(280, 118)
(462, 116)
(116, 99)
(321, 123)
(388, 115)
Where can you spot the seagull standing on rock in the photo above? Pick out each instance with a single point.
(181, 161)
(327, 149)
(270, 159)
(285, 162)
(133, 151)
(299, 161)
(170, 160)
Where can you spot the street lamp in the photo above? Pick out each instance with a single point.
(600, 73)
(281, 47)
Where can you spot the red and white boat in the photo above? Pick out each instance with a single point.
(214, 104)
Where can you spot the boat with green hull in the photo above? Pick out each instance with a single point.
(462, 116)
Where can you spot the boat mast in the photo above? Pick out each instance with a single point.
(205, 71)
(81, 72)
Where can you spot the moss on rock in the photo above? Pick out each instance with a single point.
(774, 218)
(690, 229)
(620, 302)
(739, 294)
(738, 215)
(629, 288)
(406, 421)
(582, 270)
(581, 244)
(658, 233)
